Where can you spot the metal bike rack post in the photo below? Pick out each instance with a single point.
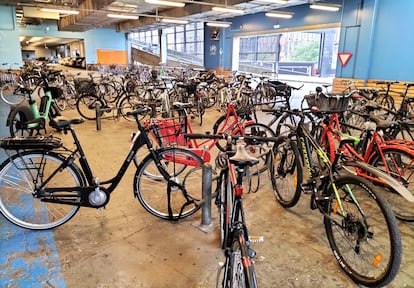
(98, 116)
(206, 190)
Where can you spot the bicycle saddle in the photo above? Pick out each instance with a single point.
(182, 105)
(61, 122)
(242, 158)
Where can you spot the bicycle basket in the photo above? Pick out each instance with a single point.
(167, 131)
(328, 102)
(56, 92)
(84, 86)
(30, 143)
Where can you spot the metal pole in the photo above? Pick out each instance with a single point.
(206, 189)
(98, 116)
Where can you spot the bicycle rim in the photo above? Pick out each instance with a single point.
(17, 202)
(151, 188)
(367, 247)
(12, 94)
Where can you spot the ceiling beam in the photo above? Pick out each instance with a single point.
(87, 8)
(188, 10)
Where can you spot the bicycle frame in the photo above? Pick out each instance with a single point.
(306, 142)
(93, 183)
(374, 145)
(235, 126)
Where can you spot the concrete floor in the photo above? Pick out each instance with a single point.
(124, 246)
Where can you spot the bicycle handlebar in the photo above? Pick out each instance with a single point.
(224, 136)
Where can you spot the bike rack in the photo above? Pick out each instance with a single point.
(207, 176)
(99, 115)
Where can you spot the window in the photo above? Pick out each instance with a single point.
(295, 53)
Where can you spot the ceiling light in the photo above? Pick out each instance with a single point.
(165, 3)
(276, 1)
(325, 7)
(280, 14)
(60, 11)
(120, 16)
(174, 21)
(227, 9)
(218, 24)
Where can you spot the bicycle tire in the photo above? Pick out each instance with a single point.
(12, 94)
(351, 237)
(18, 126)
(287, 174)
(261, 151)
(400, 164)
(17, 203)
(288, 118)
(225, 205)
(86, 106)
(150, 186)
(239, 270)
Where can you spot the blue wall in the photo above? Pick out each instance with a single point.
(10, 51)
(393, 41)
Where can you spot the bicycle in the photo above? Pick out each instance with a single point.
(395, 157)
(26, 118)
(238, 269)
(171, 131)
(43, 187)
(12, 89)
(360, 226)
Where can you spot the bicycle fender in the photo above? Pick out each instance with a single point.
(22, 107)
(397, 186)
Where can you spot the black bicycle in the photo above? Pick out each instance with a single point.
(360, 225)
(234, 164)
(42, 186)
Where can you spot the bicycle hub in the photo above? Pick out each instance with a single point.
(98, 197)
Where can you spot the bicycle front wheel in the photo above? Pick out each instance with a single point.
(364, 237)
(87, 104)
(18, 177)
(12, 94)
(239, 271)
(176, 194)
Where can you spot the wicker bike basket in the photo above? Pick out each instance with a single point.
(30, 143)
(327, 102)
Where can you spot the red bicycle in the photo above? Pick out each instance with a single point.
(395, 157)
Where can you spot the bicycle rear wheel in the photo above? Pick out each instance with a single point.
(12, 94)
(239, 269)
(287, 174)
(178, 196)
(18, 126)
(400, 165)
(365, 241)
(18, 177)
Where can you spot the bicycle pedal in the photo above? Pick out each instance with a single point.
(307, 188)
(256, 239)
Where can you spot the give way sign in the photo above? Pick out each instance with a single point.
(344, 57)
